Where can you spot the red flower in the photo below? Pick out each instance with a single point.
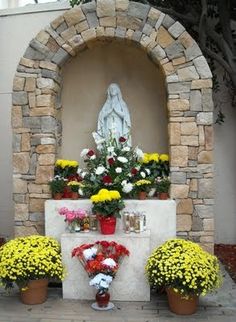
(75, 177)
(106, 249)
(111, 161)
(90, 153)
(122, 139)
(107, 179)
(134, 171)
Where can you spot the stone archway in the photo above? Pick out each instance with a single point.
(36, 108)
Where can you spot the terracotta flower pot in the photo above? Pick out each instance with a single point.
(107, 225)
(74, 195)
(163, 195)
(57, 196)
(102, 299)
(36, 292)
(180, 305)
(142, 195)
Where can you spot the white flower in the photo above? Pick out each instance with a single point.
(139, 153)
(79, 170)
(124, 182)
(118, 170)
(93, 157)
(109, 262)
(100, 170)
(126, 149)
(80, 192)
(143, 175)
(110, 149)
(127, 187)
(84, 152)
(83, 174)
(89, 253)
(101, 281)
(148, 171)
(122, 159)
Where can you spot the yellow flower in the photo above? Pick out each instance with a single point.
(154, 157)
(164, 157)
(105, 195)
(66, 163)
(145, 158)
(73, 183)
(31, 257)
(186, 264)
(142, 182)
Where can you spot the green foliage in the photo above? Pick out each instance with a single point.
(77, 2)
(163, 185)
(57, 184)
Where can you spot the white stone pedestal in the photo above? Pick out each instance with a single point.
(130, 282)
(161, 217)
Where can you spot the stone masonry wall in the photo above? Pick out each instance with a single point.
(36, 108)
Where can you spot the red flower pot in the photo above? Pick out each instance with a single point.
(66, 193)
(107, 225)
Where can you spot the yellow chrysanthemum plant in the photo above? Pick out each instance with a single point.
(30, 258)
(66, 168)
(154, 165)
(107, 203)
(143, 185)
(185, 267)
(74, 185)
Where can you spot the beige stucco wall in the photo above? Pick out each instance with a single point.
(86, 79)
(17, 28)
(15, 36)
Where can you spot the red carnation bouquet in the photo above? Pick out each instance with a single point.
(101, 261)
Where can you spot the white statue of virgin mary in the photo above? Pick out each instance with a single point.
(114, 118)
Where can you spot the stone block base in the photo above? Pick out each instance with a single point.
(130, 282)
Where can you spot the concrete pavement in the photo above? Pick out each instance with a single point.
(218, 307)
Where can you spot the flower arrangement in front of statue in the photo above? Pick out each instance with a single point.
(30, 258)
(111, 167)
(101, 260)
(185, 267)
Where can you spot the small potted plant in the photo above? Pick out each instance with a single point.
(74, 186)
(101, 261)
(163, 186)
(30, 262)
(68, 170)
(142, 187)
(186, 271)
(107, 204)
(57, 185)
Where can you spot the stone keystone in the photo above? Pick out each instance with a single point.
(106, 8)
(74, 16)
